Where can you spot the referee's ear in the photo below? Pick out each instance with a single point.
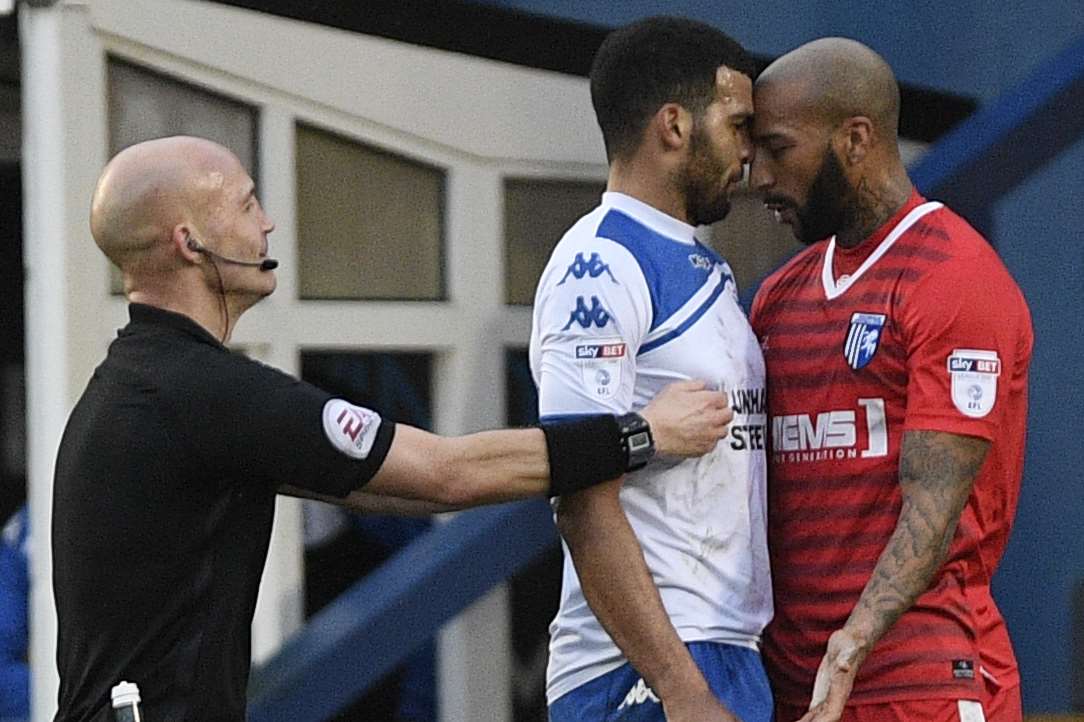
(185, 244)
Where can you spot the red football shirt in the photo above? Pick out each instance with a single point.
(918, 327)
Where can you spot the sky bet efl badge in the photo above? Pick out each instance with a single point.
(974, 380)
(862, 339)
(600, 363)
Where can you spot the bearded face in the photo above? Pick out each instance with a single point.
(706, 180)
(827, 204)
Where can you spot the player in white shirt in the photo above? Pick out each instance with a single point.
(666, 582)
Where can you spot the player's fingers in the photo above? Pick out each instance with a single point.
(821, 684)
(717, 421)
(708, 399)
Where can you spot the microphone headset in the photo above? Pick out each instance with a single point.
(267, 264)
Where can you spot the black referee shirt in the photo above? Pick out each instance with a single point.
(164, 496)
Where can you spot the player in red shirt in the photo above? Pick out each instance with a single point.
(897, 349)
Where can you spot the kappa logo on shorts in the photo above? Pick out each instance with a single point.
(593, 267)
(639, 694)
(863, 338)
(974, 375)
(350, 429)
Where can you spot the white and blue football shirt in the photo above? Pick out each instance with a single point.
(630, 302)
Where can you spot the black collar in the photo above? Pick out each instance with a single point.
(143, 314)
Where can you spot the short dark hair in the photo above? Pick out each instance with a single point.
(658, 60)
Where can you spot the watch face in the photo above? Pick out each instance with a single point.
(640, 441)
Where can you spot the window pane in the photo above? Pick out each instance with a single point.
(370, 224)
(535, 591)
(394, 384)
(341, 548)
(536, 214)
(144, 104)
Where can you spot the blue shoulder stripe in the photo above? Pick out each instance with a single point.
(673, 270)
(666, 338)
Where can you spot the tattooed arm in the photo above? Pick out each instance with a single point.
(936, 473)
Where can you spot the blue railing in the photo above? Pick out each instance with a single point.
(1004, 142)
(381, 620)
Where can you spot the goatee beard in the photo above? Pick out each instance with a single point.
(830, 205)
(704, 202)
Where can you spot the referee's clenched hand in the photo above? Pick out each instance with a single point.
(688, 419)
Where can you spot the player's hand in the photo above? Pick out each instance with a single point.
(835, 677)
(699, 707)
(687, 419)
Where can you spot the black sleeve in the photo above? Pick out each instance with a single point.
(256, 423)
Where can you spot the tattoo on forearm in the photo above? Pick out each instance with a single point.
(936, 473)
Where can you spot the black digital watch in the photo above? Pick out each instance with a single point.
(636, 441)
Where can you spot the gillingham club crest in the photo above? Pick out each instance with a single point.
(863, 338)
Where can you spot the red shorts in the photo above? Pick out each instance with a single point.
(998, 705)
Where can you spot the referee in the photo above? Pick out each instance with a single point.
(170, 462)
(169, 466)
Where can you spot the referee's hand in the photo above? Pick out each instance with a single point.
(687, 419)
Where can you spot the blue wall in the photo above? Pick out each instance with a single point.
(981, 49)
(970, 50)
(1038, 230)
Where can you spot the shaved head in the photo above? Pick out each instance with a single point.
(827, 134)
(838, 78)
(148, 189)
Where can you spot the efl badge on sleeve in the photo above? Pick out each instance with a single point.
(863, 338)
(600, 363)
(350, 429)
(974, 380)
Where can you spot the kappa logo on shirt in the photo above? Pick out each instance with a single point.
(350, 429)
(593, 267)
(585, 316)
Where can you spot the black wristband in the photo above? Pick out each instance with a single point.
(589, 450)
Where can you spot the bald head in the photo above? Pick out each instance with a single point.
(837, 78)
(148, 189)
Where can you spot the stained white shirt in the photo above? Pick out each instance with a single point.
(629, 302)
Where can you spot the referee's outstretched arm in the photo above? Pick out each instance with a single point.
(426, 473)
